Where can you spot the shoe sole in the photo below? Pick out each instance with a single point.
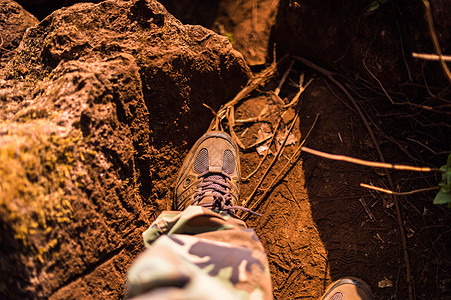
(348, 280)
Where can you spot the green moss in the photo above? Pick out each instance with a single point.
(34, 169)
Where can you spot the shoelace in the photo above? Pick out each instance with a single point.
(216, 184)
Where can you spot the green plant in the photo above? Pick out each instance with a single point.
(375, 5)
(444, 195)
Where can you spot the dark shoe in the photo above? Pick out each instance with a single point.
(348, 288)
(210, 175)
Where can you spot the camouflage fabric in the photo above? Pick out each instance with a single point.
(200, 254)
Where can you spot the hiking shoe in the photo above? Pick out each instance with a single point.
(210, 175)
(348, 288)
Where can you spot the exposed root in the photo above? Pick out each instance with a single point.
(398, 193)
(434, 38)
(426, 56)
(282, 172)
(369, 163)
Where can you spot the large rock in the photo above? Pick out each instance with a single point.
(97, 108)
(14, 20)
(43, 8)
(249, 24)
(246, 23)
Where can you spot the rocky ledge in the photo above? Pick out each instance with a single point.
(98, 104)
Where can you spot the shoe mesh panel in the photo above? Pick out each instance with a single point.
(228, 162)
(201, 162)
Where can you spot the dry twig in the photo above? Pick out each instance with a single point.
(398, 193)
(231, 118)
(259, 142)
(435, 39)
(367, 163)
(228, 110)
(262, 78)
(280, 151)
(284, 78)
(301, 89)
(255, 119)
(281, 174)
(211, 109)
(267, 152)
(426, 56)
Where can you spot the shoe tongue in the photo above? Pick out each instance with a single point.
(207, 198)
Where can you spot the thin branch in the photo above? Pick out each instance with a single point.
(426, 56)
(282, 147)
(295, 99)
(259, 142)
(292, 159)
(401, 43)
(231, 119)
(398, 193)
(211, 109)
(251, 85)
(255, 82)
(279, 152)
(284, 78)
(435, 39)
(301, 89)
(369, 163)
(254, 119)
(378, 81)
(267, 152)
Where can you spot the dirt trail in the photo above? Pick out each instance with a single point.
(318, 224)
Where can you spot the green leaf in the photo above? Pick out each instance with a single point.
(442, 198)
(374, 6)
(230, 37)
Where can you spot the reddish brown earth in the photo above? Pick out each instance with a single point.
(315, 227)
(135, 131)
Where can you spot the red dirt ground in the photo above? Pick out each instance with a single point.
(314, 224)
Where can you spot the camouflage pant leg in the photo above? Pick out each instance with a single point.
(200, 254)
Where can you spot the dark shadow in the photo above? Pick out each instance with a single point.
(14, 278)
(197, 12)
(358, 227)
